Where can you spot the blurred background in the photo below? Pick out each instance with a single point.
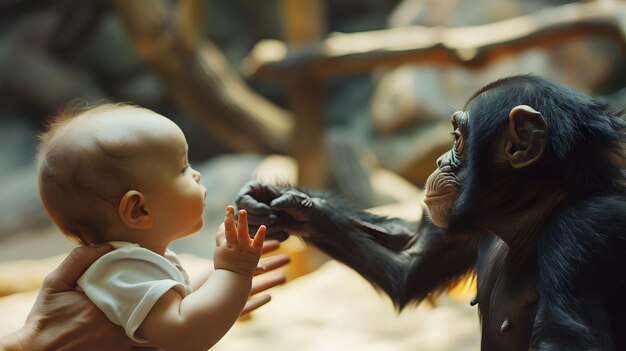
(352, 96)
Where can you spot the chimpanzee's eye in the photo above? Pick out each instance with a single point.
(458, 141)
(457, 135)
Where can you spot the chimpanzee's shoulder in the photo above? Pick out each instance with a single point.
(591, 226)
(606, 211)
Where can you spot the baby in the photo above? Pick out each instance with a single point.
(120, 174)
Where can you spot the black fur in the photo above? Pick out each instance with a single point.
(560, 286)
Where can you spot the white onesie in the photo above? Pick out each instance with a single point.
(127, 282)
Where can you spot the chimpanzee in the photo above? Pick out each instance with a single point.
(530, 199)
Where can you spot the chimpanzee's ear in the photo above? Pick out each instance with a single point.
(527, 136)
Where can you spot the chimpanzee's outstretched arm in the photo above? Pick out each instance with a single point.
(406, 262)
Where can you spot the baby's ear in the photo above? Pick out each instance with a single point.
(134, 212)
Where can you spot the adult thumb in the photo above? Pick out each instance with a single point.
(64, 277)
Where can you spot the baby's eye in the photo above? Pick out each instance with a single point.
(185, 168)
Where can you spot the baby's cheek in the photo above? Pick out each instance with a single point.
(200, 201)
(199, 208)
(195, 199)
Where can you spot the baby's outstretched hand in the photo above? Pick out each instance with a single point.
(235, 250)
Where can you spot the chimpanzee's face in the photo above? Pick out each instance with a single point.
(518, 142)
(444, 184)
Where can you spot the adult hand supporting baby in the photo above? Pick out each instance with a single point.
(65, 319)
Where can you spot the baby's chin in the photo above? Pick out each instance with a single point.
(193, 230)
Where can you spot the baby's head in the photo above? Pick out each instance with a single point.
(115, 172)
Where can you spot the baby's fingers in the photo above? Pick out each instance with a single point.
(229, 226)
(259, 237)
(220, 236)
(243, 236)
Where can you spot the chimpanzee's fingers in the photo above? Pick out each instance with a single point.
(294, 203)
(275, 233)
(255, 220)
(291, 200)
(255, 195)
(252, 205)
(260, 189)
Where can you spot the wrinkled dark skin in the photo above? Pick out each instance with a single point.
(530, 199)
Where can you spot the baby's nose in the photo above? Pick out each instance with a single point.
(197, 176)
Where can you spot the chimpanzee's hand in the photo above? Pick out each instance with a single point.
(283, 210)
